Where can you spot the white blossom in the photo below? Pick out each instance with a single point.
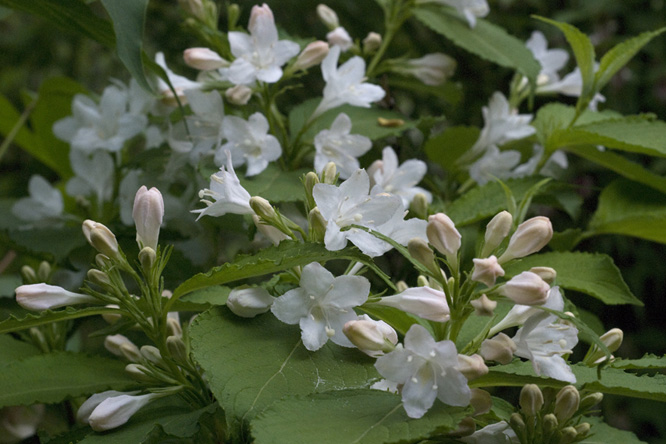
(260, 55)
(249, 143)
(427, 370)
(391, 177)
(322, 305)
(111, 409)
(340, 37)
(470, 9)
(337, 145)
(344, 84)
(44, 205)
(94, 175)
(551, 60)
(226, 194)
(180, 84)
(45, 297)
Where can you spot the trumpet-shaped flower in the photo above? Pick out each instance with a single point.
(345, 84)
(226, 193)
(519, 314)
(111, 409)
(260, 55)
(391, 177)
(249, 143)
(337, 145)
(322, 305)
(425, 302)
(44, 297)
(427, 370)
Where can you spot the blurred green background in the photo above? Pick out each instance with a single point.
(32, 50)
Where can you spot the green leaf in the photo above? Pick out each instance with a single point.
(592, 274)
(57, 242)
(251, 363)
(56, 376)
(276, 185)
(603, 433)
(647, 361)
(620, 165)
(620, 55)
(12, 350)
(486, 40)
(129, 18)
(48, 317)
(453, 142)
(350, 416)
(631, 209)
(487, 200)
(287, 255)
(583, 52)
(68, 15)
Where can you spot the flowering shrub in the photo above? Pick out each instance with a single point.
(259, 267)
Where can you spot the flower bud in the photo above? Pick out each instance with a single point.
(101, 239)
(431, 69)
(590, 401)
(465, 428)
(500, 348)
(40, 297)
(102, 261)
(374, 338)
(568, 435)
(256, 13)
(139, 373)
(328, 16)
(612, 339)
(238, 95)
(486, 270)
(340, 37)
(530, 237)
(148, 213)
(312, 55)
(481, 401)
(270, 232)
(517, 423)
(193, 7)
(317, 225)
(372, 42)
(262, 208)
(44, 271)
(152, 354)
(111, 318)
(249, 302)
(583, 429)
(526, 288)
(421, 252)
(147, 258)
(204, 59)
(99, 278)
(425, 302)
(309, 181)
(329, 174)
(177, 348)
(546, 273)
(443, 235)
(483, 306)
(419, 206)
(531, 400)
(472, 367)
(173, 327)
(120, 345)
(550, 425)
(496, 230)
(28, 274)
(117, 410)
(567, 402)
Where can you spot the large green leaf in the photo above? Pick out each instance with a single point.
(68, 15)
(620, 55)
(486, 40)
(603, 433)
(251, 363)
(129, 18)
(647, 361)
(631, 209)
(276, 185)
(350, 416)
(487, 200)
(592, 274)
(56, 242)
(53, 377)
(287, 255)
(13, 350)
(453, 142)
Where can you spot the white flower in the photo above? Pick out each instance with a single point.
(148, 213)
(107, 125)
(501, 124)
(226, 193)
(498, 433)
(501, 165)
(401, 180)
(249, 143)
(428, 370)
(44, 204)
(112, 409)
(322, 305)
(519, 314)
(44, 297)
(337, 145)
(544, 339)
(345, 84)
(470, 9)
(259, 56)
(572, 85)
(424, 302)
(551, 60)
(431, 69)
(180, 84)
(340, 37)
(94, 174)
(350, 204)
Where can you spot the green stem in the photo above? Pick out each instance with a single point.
(16, 128)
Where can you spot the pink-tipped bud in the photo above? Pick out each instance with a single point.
(483, 306)
(204, 59)
(443, 235)
(148, 213)
(487, 270)
(40, 297)
(526, 288)
(425, 302)
(546, 273)
(340, 37)
(530, 237)
(311, 55)
(101, 238)
(497, 229)
(472, 366)
(238, 95)
(374, 338)
(249, 302)
(500, 348)
(259, 16)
